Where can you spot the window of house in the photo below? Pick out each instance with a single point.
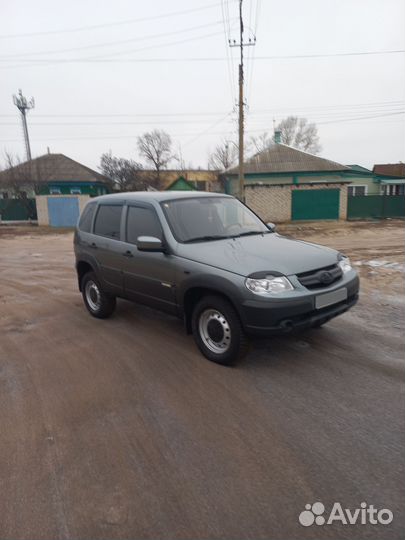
(75, 191)
(87, 218)
(354, 191)
(142, 222)
(55, 191)
(394, 189)
(108, 221)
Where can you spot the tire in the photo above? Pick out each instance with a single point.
(98, 303)
(217, 331)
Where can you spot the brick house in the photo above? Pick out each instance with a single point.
(283, 184)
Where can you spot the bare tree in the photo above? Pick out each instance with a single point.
(124, 173)
(300, 134)
(259, 143)
(223, 156)
(156, 147)
(295, 132)
(27, 177)
(21, 179)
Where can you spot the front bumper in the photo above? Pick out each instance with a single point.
(282, 316)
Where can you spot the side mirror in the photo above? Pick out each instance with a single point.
(149, 243)
(271, 226)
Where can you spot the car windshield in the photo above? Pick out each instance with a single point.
(201, 219)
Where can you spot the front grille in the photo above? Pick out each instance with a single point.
(320, 278)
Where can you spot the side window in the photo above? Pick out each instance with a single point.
(142, 222)
(108, 221)
(86, 218)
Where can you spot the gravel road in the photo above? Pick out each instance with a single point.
(121, 429)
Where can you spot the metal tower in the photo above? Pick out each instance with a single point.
(24, 105)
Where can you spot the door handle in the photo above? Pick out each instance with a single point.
(93, 245)
(128, 254)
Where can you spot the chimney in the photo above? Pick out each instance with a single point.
(277, 137)
(48, 149)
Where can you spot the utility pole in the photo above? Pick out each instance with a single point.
(241, 105)
(24, 105)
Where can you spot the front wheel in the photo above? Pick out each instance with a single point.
(217, 330)
(98, 303)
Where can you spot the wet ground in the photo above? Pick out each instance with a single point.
(121, 429)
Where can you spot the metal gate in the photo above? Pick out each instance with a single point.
(63, 211)
(313, 204)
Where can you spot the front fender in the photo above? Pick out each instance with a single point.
(224, 283)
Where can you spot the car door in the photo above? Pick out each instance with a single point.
(148, 276)
(107, 246)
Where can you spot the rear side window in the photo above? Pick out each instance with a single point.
(142, 222)
(108, 221)
(86, 218)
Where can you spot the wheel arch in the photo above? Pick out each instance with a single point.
(194, 294)
(82, 268)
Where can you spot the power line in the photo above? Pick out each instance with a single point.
(110, 43)
(158, 46)
(313, 116)
(206, 131)
(228, 55)
(241, 103)
(109, 25)
(335, 106)
(218, 113)
(362, 118)
(195, 135)
(126, 115)
(126, 123)
(252, 56)
(316, 115)
(39, 61)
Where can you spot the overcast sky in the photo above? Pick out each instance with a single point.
(103, 73)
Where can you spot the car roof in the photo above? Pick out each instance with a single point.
(158, 196)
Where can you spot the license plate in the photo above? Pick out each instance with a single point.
(330, 298)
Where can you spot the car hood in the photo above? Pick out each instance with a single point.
(268, 252)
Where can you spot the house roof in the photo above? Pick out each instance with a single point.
(390, 169)
(279, 158)
(360, 169)
(56, 168)
(180, 181)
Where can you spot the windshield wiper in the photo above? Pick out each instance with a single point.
(249, 233)
(206, 238)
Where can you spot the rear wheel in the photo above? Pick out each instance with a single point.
(217, 330)
(98, 303)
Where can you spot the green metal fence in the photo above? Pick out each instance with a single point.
(375, 206)
(18, 209)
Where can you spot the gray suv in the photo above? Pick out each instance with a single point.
(210, 260)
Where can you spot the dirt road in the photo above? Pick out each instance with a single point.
(120, 429)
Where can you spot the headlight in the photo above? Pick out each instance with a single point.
(269, 285)
(345, 265)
